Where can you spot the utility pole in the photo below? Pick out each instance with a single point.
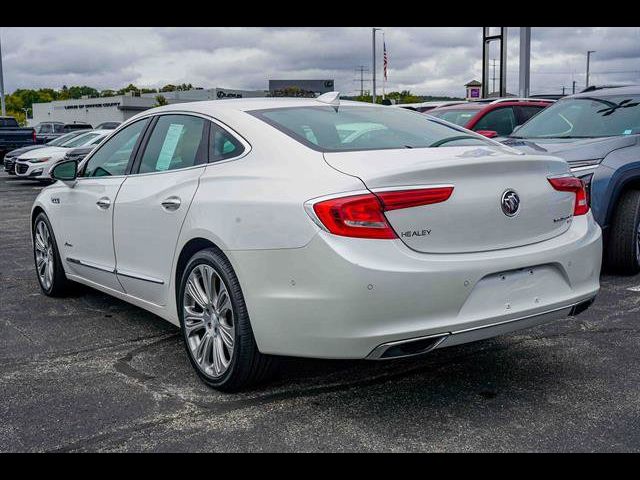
(4, 108)
(589, 52)
(524, 63)
(562, 89)
(373, 48)
(574, 87)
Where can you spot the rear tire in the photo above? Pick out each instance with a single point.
(215, 325)
(46, 256)
(623, 249)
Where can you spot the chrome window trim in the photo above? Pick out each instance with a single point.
(247, 146)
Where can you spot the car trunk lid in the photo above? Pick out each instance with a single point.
(472, 219)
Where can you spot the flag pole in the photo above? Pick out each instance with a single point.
(384, 79)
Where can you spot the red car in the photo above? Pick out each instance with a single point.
(495, 118)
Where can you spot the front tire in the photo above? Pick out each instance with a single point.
(623, 249)
(46, 256)
(215, 325)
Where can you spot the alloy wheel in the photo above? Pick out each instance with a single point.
(43, 246)
(208, 320)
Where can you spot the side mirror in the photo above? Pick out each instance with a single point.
(488, 133)
(66, 171)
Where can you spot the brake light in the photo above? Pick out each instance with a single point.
(362, 216)
(33, 133)
(572, 184)
(394, 200)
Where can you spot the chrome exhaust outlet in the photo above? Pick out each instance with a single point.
(407, 348)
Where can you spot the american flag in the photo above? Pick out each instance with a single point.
(385, 60)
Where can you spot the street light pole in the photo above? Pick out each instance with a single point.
(373, 48)
(589, 52)
(4, 108)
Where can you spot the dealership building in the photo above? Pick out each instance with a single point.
(122, 107)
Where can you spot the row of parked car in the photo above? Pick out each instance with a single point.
(596, 131)
(35, 161)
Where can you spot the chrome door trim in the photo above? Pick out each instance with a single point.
(137, 276)
(95, 266)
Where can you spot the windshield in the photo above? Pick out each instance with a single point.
(459, 117)
(349, 128)
(81, 140)
(61, 140)
(585, 117)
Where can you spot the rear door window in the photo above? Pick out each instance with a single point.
(177, 141)
(222, 144)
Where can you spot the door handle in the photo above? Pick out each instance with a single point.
(104, 203)
(171, 203)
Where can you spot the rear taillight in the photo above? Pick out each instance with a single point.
(362, 216)
(575, 185)
(33, 133)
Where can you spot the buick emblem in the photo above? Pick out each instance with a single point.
(510, 203)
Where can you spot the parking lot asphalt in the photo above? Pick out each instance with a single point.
(92, 373)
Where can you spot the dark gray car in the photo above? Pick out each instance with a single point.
(598, 133)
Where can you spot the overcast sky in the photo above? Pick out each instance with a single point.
(429, 60)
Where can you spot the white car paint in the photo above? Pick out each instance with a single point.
(315, 294)
(39, 162)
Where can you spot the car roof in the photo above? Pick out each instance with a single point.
(462, 106)
(606, 92)
(249, 104)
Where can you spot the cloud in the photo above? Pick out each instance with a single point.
(430, 60)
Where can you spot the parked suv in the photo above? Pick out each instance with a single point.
(493, 118)
(598, 133)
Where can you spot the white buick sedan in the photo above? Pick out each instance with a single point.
(317, 228)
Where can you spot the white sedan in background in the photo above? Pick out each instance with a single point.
(253, 226)
(37, 164)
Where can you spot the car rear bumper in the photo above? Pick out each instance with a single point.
(341, 297)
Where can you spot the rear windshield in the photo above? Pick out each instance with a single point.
(459, 117)
(349, 128)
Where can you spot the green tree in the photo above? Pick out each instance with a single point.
(129, 88)
(160, 100)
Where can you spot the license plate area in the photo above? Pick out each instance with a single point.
(517, 290)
